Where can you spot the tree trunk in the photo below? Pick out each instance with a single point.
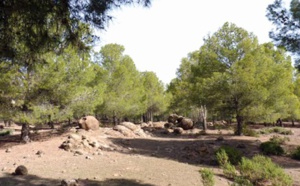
(25, 132)
(239, 120)
(50, 122)
(115, 120)
(293, 122)
(203, 117)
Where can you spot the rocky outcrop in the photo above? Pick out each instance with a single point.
(89, 123)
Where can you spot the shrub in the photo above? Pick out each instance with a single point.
(271, 148)
(222, 157)
(278, 130)
(207, 177)
(249, 132)
(296, 153)
(6, 132)
(229, 170)
(239, 180)
(234, 155)
(261, 169)
(279, 140)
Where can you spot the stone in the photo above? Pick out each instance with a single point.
(69, 182)
(75, 137)
(8, 150)
(21, 170)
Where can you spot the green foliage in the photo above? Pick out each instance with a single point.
(241, 181)
(207, 176)
(271, 148)
(229, 170)
(262, 169)
(285, 19)
(49, 25)
(228, 154)
(6, 132)
(279, 140)
(222, 157)
(247, 131)
(278, 130)
(234, 76)
(296, 153)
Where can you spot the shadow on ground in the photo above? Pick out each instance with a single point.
(36, 134)
(31, 180)
(198, 150)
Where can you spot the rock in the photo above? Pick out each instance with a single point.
(89, 123)
(124, 130)
(8, 150)
(73, 129)
(168, 125)
(39, 153)
(75, 137)
(140, 132)
(178, 130)
(79, 152)
(144, 125)
(186, 123)
(21, 170)
(88, 157)
(129, 125)
(69, 183)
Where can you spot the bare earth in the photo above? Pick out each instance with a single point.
(156, 160)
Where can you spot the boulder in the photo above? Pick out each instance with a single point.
(186, 123)
(178, 130)
(21, 170)
(123, 130)
(89, 123)
(129, 125)
(172, 118)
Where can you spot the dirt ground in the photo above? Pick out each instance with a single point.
(160, 159)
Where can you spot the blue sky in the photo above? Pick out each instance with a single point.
(157, 38)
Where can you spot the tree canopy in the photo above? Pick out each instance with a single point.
(234, 77)
(287, 26)
(38, 26)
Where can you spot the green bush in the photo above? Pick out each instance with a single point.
(278, 130)
(279, 140)
(249, 132)
(261, 169)
(241, 181)
(207, 177)
(271, 148)
(296, 153)
(234, 156)
(222, 157)
(6, 132)
(229, 170)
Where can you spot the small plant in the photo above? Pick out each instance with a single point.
(249, 132)
(239, 180)
(261, 169)
(6, 132)
(296, 153)
(222, 157)
(279, 140)
(229, 170)
(234, 155)
(278, 130)
(271, 148)
(207, 176)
